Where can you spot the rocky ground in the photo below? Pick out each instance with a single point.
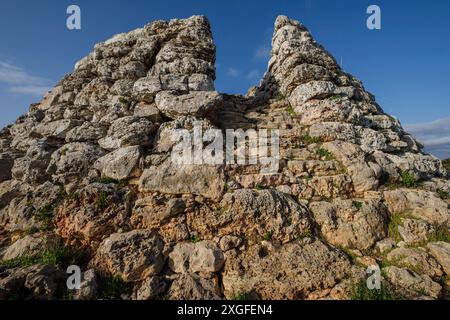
(86, 179)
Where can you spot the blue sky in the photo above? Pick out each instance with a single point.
(406, 64)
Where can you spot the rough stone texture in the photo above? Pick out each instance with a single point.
(413, 282)
(441, 251)
(343, 223)
(94, 163)
(197, 103)
(419, 203)
(133, 255)
(120, 163)
(289, 272)
(171, 178)
(201, 257)
(415, 259)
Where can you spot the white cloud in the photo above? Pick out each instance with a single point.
(32, 90)
(232, 72)
(434, 135)
(22, 82)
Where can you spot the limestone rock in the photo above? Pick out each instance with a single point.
(421, 204)
(120, 163)
(128, 131)
(413, 282)
(203, 257)
(441, 251)
(170, 178)
(133, 255)
(351, 224)
(196, 103)
(289, 272)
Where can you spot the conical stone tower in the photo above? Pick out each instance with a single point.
(90, 169)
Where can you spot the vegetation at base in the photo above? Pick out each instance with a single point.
(357, 205)
(442, 194)
(108, 180)
(307, 139)
(324, 153)
(290, 111)
(280, 97)
(57, 254)
(112, 287)
(194, 238)
(240, 296)
(260, 187)
(268, 236)
(396, 220)
(102, 201)
(360, 291)
(408, 179)
(440, 233)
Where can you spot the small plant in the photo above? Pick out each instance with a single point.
(442, 194)
(123, 100)
(307, 139)
(335, 97)
(108, 180)
(102, 201)
(396, 220)
(307, 234)
(357, 205)
(268, 236)
(57, 254)
(280, 97)
(111, 288)
(324, 153)
(440, 233)
(360, 291)
(194, 238)
(290, 111)
(31, 231)
(408, 179)
(240, 296)
(260, 187)
(46, 214)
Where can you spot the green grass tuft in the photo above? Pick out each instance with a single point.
(102, 201)
(359, 291)
(442, 194)
(408, 179)
(112, 287)
(324, 153)
(358, 205)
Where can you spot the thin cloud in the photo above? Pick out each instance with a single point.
(434, 135)
(32, 90)
(232, 72)
(262, 53)
(253, 75)
(19, 81)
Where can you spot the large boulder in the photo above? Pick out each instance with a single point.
(196, 103)
(289, 272)
(171, 178)
(203, 257)
(133, 256)
(120, 163)
(420, 204)
(128, 131)
(350, 223)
